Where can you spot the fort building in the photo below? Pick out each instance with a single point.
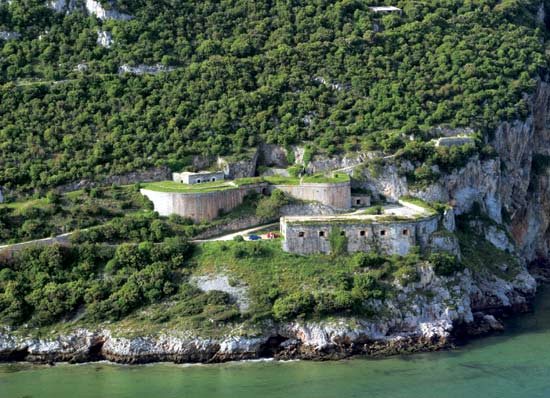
(401, 227)
(360, 200)
(310, 235)
(206, 201)
(187, 177)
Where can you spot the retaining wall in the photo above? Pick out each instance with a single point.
(337, 195)
(16, 247)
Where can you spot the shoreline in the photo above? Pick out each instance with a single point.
(361, 347)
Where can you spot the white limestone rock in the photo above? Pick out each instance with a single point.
(81, 67)
(144, 69)
(4, 35)
(105, 38)
(95, 8)
(91, 6)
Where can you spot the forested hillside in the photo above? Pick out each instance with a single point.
(284, 71)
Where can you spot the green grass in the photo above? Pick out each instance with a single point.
(280, 180)
(272, 273)
(432, 208)
(22, 205)
(324, 179)
(171, 186)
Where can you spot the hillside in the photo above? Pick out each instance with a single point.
(404, 154)
(233, 74)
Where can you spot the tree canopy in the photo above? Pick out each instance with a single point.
(287, 71)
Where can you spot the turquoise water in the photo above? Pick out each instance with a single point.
(514, 364)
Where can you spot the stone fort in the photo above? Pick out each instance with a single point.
(310, 235)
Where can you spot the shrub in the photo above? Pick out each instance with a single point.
(369, 260)
(53, 198)
(407, 274)
(366, 286)
(445, 264)
(296, 304)
(269, 207)
(338, 242)
(374, 210)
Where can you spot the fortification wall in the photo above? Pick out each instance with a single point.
(203, 206)
(397, 237)
(337, 195)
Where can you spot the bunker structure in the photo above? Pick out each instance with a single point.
(198, 178)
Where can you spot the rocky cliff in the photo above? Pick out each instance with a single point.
(510, 188)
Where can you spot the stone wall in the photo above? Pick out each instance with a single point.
(16, 247)
(200, 206)
(397, 237)
(336, 195)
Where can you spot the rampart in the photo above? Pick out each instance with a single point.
(201, 206)
(364, 234)
(337, 195)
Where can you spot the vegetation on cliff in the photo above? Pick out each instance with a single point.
(93, 283)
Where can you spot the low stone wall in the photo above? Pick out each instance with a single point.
(398, 237)
(231, 226)
(16, 247)
(201, 206)
(337, 195)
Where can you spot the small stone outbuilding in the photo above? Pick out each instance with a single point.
(198, 178)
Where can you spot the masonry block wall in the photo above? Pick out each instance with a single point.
(337, 195)
(310, 237)
(203, 206)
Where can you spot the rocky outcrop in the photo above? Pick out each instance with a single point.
(239, 168)
(144, 69)
(91, 6)
(9, 35)
(147, 175)
(273, 156)
(95, 8)
(508, 188)
(321, 163)
(104, 38)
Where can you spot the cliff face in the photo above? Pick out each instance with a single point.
(509, 188)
